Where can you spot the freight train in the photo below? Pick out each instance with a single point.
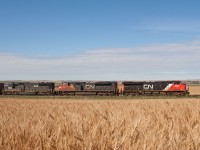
(101, 88)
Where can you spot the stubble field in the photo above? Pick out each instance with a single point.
(99, 124)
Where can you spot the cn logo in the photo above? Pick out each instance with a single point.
(89, 87)
(148, 87)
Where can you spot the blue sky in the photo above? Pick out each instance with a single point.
(99, 40)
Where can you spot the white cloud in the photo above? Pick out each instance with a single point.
(168, 61)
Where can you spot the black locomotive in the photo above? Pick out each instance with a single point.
(28, 88)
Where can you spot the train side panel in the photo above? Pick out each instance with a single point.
(106, 88)
(40, 88)
(13, 88)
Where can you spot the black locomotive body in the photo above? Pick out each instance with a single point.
(107, 88)
(14, 88)
(39, 88)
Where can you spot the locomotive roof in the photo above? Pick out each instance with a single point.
(105, 82)
(140, 82)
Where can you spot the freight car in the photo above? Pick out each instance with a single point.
(154, 88)
(87, 88)
(28, 88)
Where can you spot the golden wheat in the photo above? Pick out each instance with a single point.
(121, 124)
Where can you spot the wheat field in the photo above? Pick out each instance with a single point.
(99, 124)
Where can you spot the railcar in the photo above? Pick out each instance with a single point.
(90, 88)
(154, 88)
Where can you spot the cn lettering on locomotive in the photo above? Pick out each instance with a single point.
(89, 86)
(148, 87)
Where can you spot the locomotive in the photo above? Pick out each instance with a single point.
(27, 88)
(92, 88)
(154, 88)
(101, 88)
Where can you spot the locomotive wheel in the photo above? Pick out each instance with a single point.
(60, 93)
(141, 93)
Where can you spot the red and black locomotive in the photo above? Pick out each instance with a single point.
(154, 88)
(87, 88)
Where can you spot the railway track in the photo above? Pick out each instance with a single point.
(92, 97)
